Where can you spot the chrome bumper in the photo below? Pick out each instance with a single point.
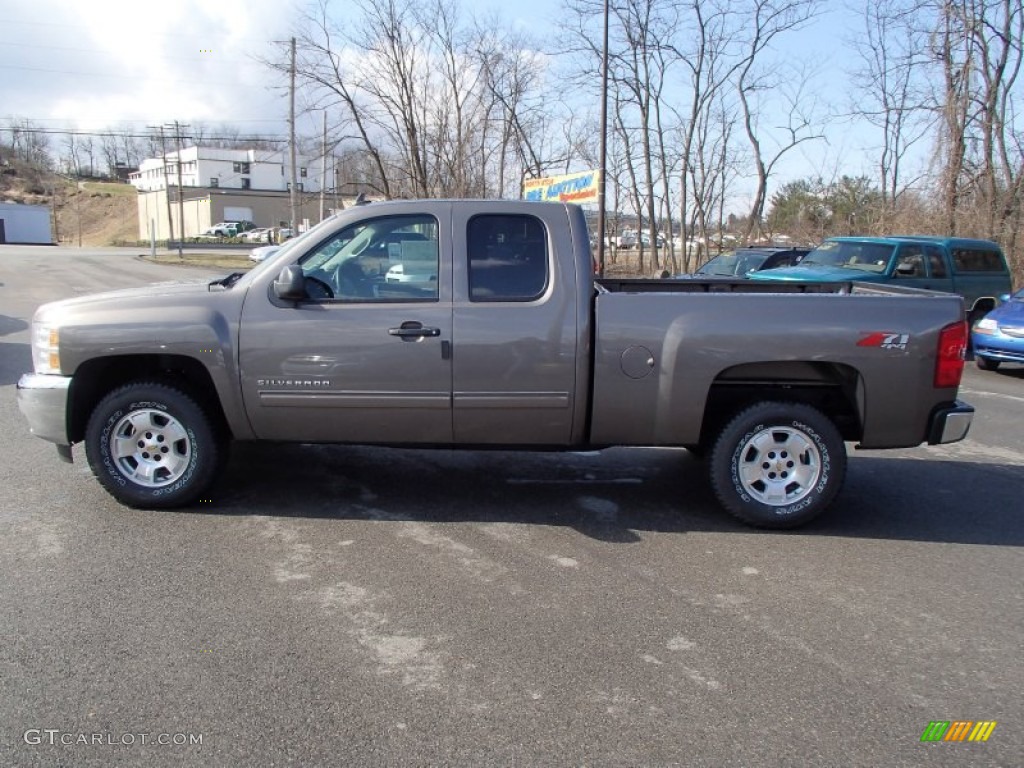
(44, 401)
(950, 423)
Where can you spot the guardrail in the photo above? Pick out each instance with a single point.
(212, 245)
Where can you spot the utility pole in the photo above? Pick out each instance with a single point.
(181, 201)
(294, 196)
(167, 185)
(602, 184)
(323, 168)
(334, 175)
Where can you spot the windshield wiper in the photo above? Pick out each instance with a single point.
(227, 281)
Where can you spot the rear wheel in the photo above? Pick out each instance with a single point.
(778, 464)
(986, 363)
(152, 446)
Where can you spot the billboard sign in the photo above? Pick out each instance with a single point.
(579, 187)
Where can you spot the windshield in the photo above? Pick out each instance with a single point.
(868, 257)
(720, 265)
(732, 263)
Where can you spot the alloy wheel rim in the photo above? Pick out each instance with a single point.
(150, 448)
(779, 466)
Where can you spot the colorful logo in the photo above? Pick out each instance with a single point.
(958, 730)
(885, 340)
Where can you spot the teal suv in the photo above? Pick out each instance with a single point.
(975, 269)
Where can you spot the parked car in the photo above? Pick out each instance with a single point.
(742, 261)
(222, 229)
(975, 269)
(263, 252)
(999, 336)
(230, 228)
(630, 239)
(258, 235)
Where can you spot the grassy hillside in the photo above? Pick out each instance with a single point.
(97, 213)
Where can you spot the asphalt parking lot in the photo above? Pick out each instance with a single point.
(372, 606)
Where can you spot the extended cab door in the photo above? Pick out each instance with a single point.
(515, 343)
(367, 356)
(920, 265)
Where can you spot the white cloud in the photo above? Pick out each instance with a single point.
(104, 62)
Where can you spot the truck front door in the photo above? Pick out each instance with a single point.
(366, 358)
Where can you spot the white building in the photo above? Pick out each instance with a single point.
(27, 224)
(212, 168)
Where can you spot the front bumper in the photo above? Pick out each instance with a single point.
(949, 423)
(44, 401)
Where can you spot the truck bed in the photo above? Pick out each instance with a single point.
(664, 348)
(718, 285)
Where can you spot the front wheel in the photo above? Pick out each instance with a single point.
(986, 363)
(152, 446)
(778, 464)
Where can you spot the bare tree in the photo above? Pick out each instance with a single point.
(703, 49)
(771, 18)
(891, 51)
(71, 155)
(29, 142)
(977, 49)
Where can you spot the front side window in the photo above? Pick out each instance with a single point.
(508, 258)
(391, 258)
(910, 262)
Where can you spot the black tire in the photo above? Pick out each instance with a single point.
(986, 364)
(778, 464)
(170, 449)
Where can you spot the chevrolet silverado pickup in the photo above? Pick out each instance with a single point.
(479, 324)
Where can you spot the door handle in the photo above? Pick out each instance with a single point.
(413, 330)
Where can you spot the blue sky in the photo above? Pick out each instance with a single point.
(103, 63)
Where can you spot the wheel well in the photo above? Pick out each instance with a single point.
(829, 387)
(982, 306)
(94, 379)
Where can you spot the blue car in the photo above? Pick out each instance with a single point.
(999, 336)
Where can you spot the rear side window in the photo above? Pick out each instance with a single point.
(977, 260)
(508, 258)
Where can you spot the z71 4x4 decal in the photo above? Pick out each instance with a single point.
(885, 340)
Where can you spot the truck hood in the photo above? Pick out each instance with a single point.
(817, 274)
(170, 293)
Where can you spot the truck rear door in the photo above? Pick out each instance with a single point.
(514, 324)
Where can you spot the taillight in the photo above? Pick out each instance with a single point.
(949, 364)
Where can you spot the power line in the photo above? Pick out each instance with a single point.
(72, 132)
(36, 46)
(77, 29)
(141, 78)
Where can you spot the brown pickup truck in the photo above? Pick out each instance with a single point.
(479, 324)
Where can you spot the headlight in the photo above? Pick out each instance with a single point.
(986, 326)
(45, 348)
